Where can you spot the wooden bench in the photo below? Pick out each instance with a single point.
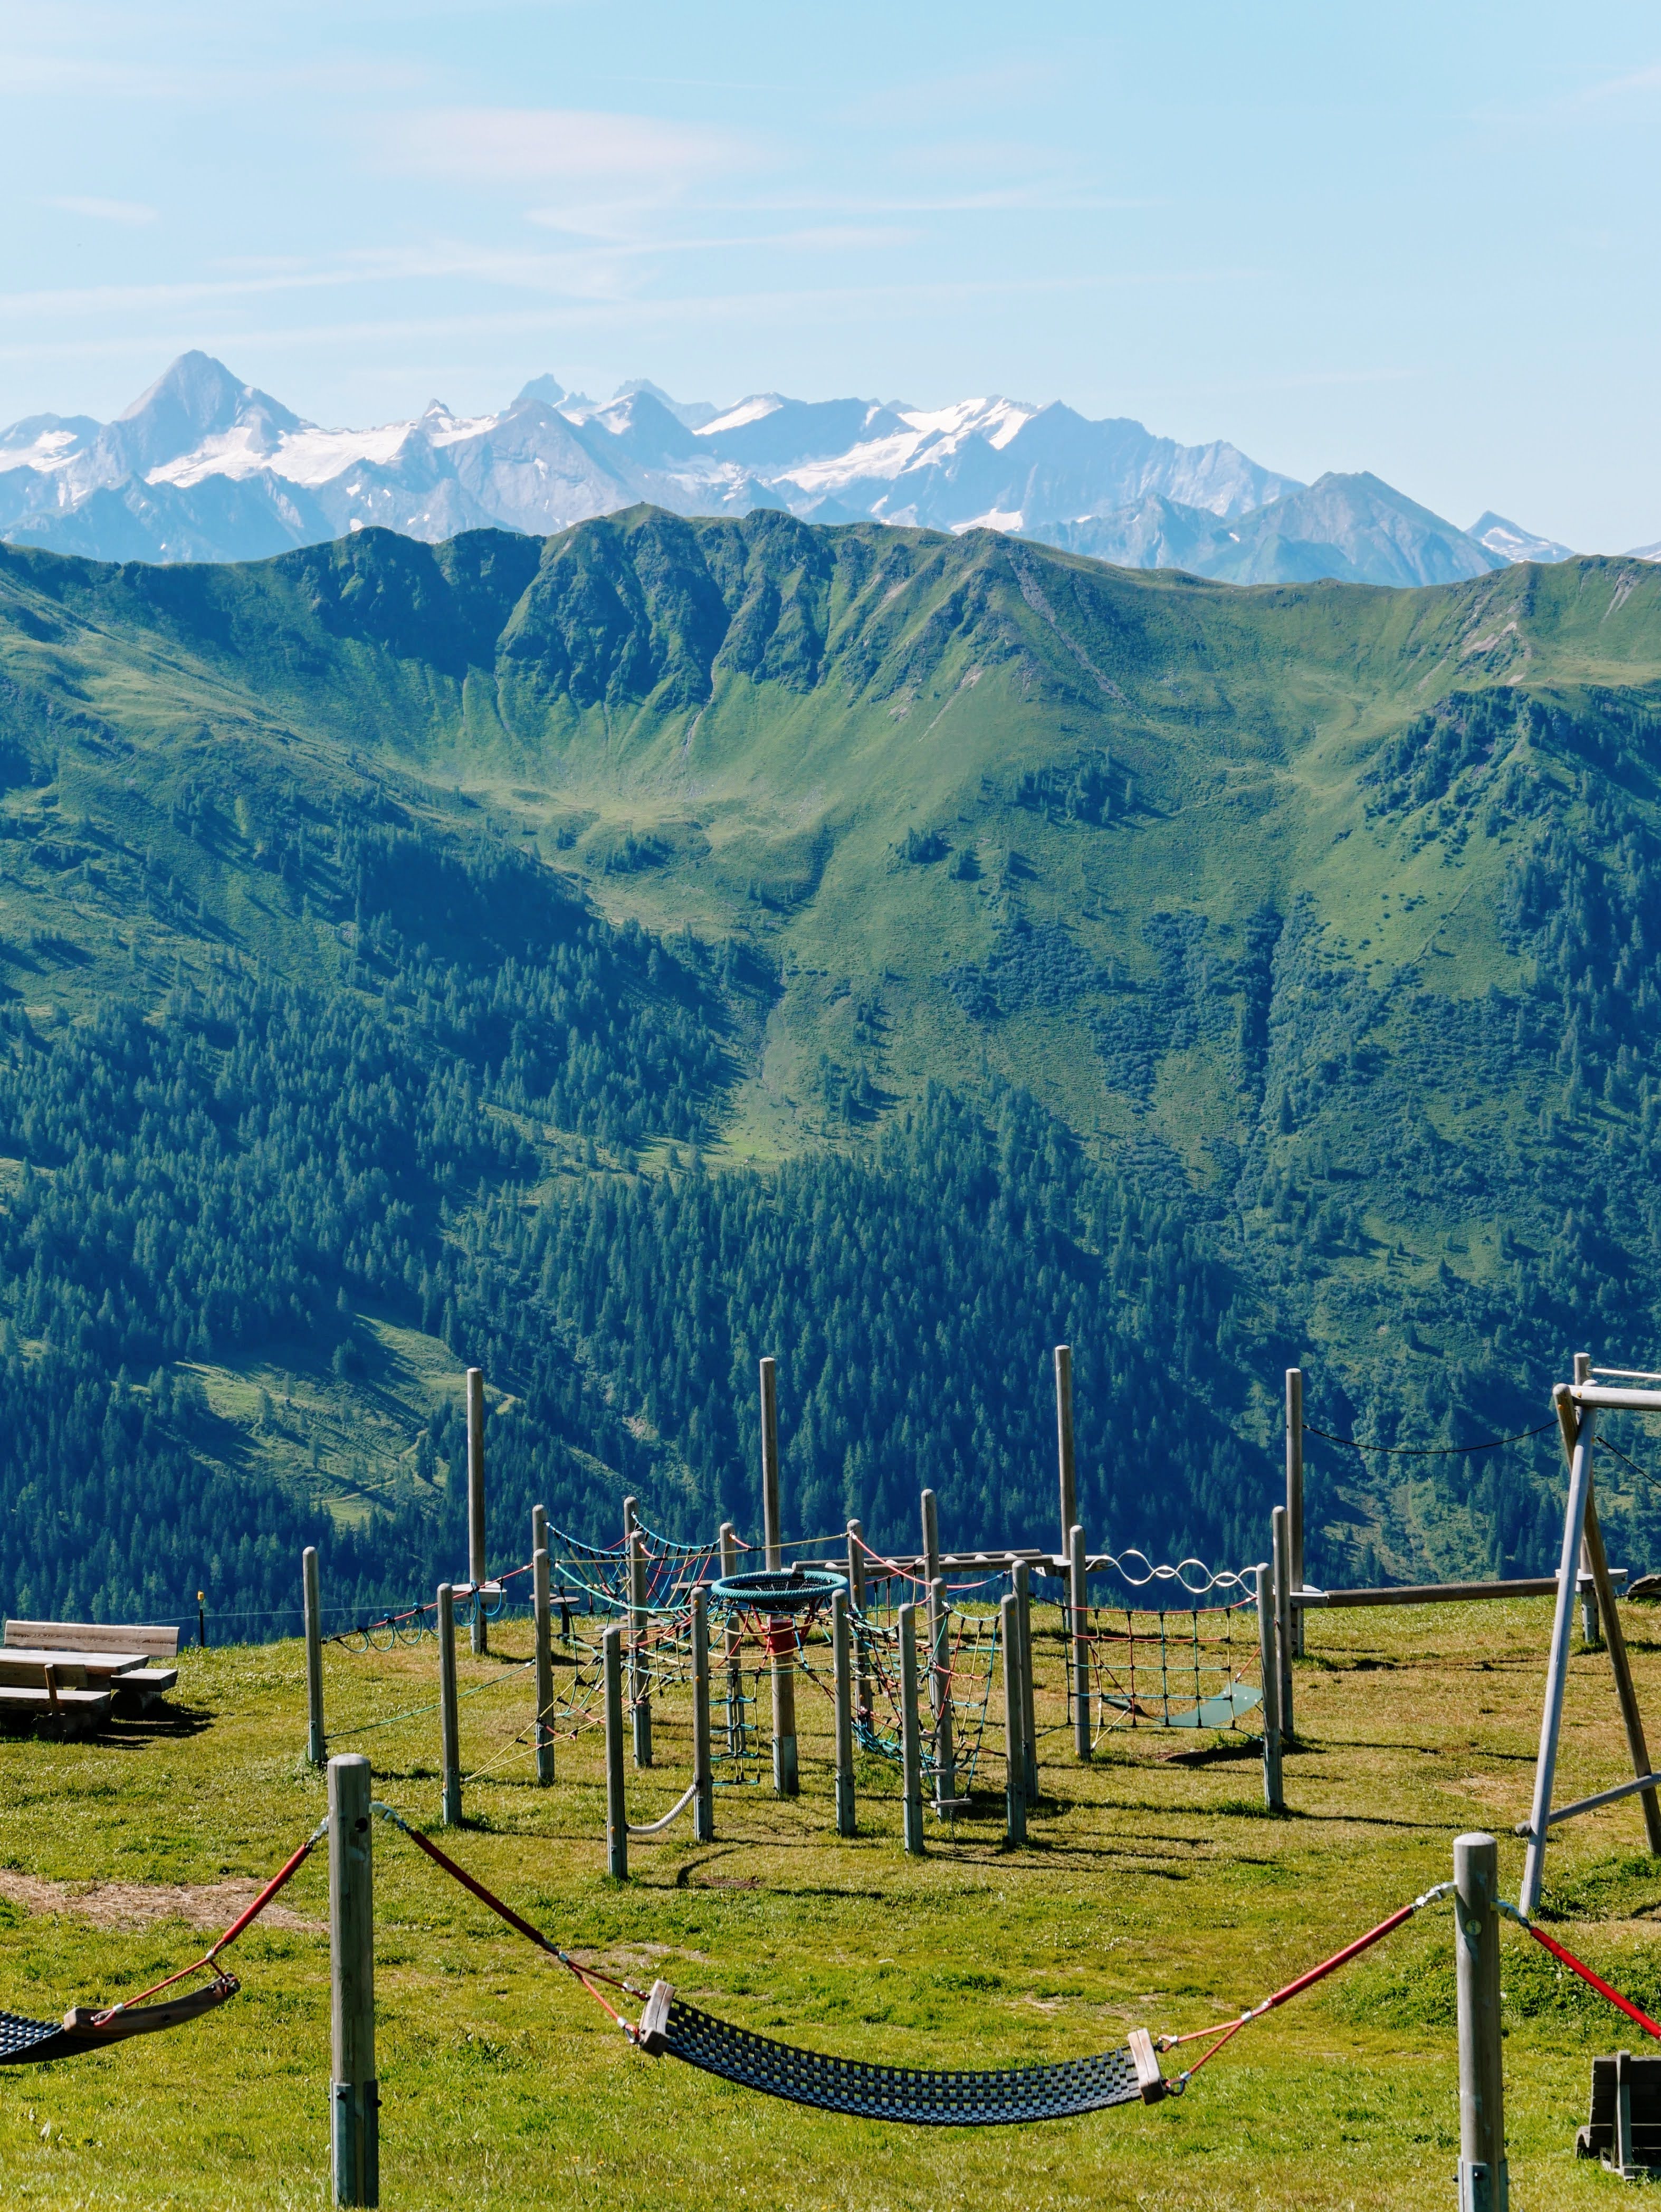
(107, 1654)
(69, 1710)
(1624, 2129)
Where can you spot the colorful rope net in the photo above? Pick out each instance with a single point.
(1167, 1664)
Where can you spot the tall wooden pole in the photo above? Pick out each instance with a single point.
(939, 1668)
(476, 1543)
(733, 1639)
(1078, 1593)
(910, 1734)
(354, 2093)
(1014, 1745)
(1592, 1547)
(639, 1662)
(543, 1607)
(787, 1781)
(1021, 1580)
(703, 1772)
(1270, 1664)
(1484, 2180)
(856, 1599)
(1064, 1441)
(842, 1673)
(1283, 1613)
(1590, 1636)
(1295, 1494)
(616, 1804)
(931, 1573)
(449, 1721)
(316, 1743)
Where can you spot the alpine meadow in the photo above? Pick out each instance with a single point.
(605, 959)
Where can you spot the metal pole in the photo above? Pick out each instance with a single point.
(316, 1743)
(733, 1636)
(543, 1606)
(703, 1777)
(786, 1779)
(449, 1723)
(1295, 1495)
(354, 2093)
(910, 1734)
(640, 1678)
(1274, 1786)
(476, 1548)
(1064, 1439)
(1078, 1595)
(1021, 1579)
(1562, 1629)
(1283, 1611)
(842, 1659)
(1484, 2180)
(940, 1654)
(1014, 1734)
(616, 1804)
(856, 1598)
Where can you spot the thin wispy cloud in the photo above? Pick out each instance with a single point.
(548, 145)
(132, 212)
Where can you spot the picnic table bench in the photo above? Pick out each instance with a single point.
(77, 1671)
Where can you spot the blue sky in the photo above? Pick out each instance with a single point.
(1419, 240)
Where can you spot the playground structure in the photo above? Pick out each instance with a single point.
(912, 1656)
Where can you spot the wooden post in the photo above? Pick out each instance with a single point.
(476, 1545)
(1021, 1580)
(733, 1639)
(843, 1670)
(616, 1804)
(787, 1781)
(856, 1599)
(940, 1667)
(1283, 1611)
(449, 1723)
(931, 1570)
(1014, 1732)
(1064, 1440)
(771, 1536)
(1269, 1663)
(703, 1777)
(316, 1746)
(1078, 1608)
(910, 1734)
(1625, 1691)
(354, 2093)
(1590, 1637)
(1295, 1495)
(543, 1606)
(1484, 2180)
(640, 1678)
(1562, 1630)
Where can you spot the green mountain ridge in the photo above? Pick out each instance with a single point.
(1218, 978)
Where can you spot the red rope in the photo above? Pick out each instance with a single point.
(284, 1874)
(1596, 1981)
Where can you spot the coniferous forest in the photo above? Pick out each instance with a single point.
(351, 1033)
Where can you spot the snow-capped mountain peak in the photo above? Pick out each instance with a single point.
(203, 466)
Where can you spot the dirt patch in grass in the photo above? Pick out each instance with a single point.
(210, 1905)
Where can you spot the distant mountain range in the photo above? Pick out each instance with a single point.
(202, 467)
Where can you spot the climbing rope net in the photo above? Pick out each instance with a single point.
(1179, 1649)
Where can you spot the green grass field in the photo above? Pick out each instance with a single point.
(1154, 1891)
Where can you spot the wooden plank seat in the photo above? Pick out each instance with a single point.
(72, 1710)
(94, 1666)
(150, 1642)
(137, 1690)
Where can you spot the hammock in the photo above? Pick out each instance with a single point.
(29, 2042)
(1008, 2097)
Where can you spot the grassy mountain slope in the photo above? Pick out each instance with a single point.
(1318, 926)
